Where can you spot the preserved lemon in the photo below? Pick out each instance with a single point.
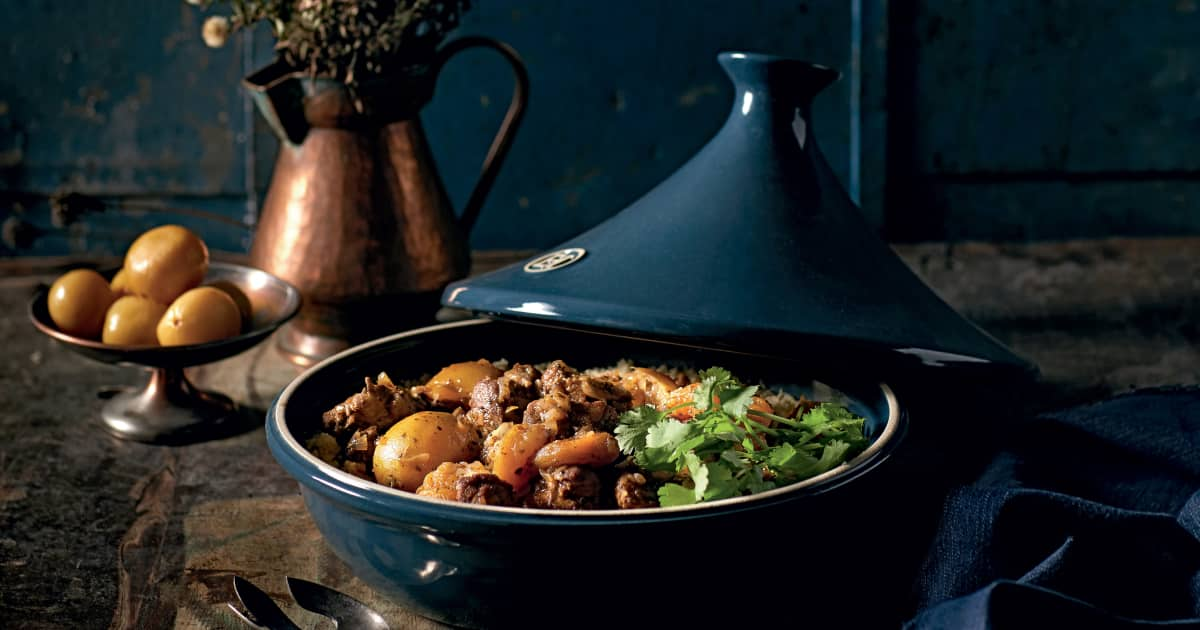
(200, 315)
(78, 301)
(166, 261)
(239, 298)
(132, 321)
(120, 283)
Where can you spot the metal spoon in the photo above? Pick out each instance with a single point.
(264, 613)
(345, 611)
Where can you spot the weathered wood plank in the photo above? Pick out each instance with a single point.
(979, 208)
(1067, 86)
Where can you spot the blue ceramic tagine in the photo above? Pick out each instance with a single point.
(751, 245)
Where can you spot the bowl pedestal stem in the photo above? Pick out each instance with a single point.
(169, 409)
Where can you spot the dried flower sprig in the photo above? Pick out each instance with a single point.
(348, 40)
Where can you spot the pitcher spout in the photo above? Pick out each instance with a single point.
(279, 96)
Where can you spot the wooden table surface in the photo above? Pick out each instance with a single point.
(97, 532)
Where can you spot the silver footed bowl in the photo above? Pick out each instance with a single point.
(168, 409)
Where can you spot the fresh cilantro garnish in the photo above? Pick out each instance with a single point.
(711, 380)
(631, 433)
(673, 494)
(730, 449)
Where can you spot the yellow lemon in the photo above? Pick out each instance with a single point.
(164, 262)
(120, 283)
(239, 298)
(132, 321)
(78, 301)
(200, 315)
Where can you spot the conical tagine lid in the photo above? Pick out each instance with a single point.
(751, 245)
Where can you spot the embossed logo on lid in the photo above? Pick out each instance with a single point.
(555, 260)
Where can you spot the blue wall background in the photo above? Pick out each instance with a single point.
(954, 118)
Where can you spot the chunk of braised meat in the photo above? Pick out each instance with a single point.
(380, 404)
(567, 488)
(502, 399)
(607, 389)
(593, 415)
(575, 403)
(518, 387)
(467, 483)
(553, 411)
(561, 379)
(361, 446)
(633, 491)
(484, 489)
(485, 412)
(557, 378)
(565, 417)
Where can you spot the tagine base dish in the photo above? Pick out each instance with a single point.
(476, 566)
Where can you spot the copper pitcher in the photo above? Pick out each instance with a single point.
(356, 215)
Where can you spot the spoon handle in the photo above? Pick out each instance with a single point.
(263, 609)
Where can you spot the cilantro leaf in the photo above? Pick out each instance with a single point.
(791, 464)
(794, 465)
(735, 401)
(834, 454)
(662, 443)
(698, 471)
(716, 374)
(672, 494)
(710, 382)
(721, 483)
(667, 433)
(692, 443)
(826, 413)
(752, 481)
(632, 428)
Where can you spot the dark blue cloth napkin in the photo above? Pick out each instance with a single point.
(1085, 518)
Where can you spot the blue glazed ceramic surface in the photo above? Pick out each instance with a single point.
(483, 566)
(752, 244)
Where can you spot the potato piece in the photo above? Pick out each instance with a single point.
(420, 443)
(594, 448)
(452, 386)
(511, 454)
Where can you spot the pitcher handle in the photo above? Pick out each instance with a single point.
(508, 127)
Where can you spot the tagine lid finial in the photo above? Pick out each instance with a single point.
(751, 245)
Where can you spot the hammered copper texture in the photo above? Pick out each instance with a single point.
(353, 215)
